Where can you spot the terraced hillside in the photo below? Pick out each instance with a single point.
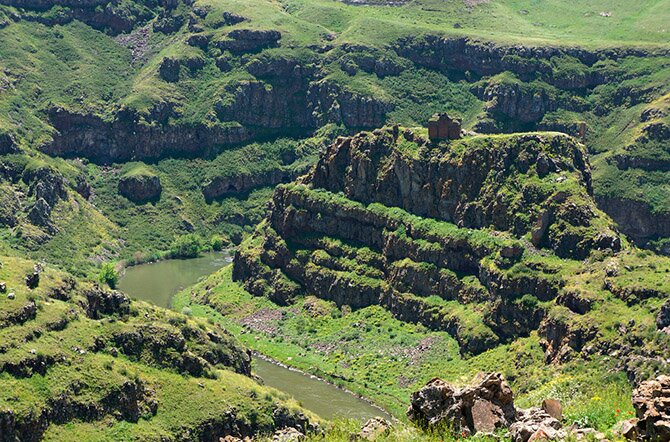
(201, 94)
(494, 241)
(79, 362)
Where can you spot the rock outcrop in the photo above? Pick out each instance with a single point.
(486, 407)
(101, 302)
(220, 187)
(7, 144)
(140, 187)
(652, 408)
(469, 188)
(249, 40)
(425, 211)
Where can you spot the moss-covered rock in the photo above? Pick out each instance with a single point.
(140, 185)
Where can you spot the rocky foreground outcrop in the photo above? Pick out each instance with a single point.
(482, 408)
(487, 406)
(652, 407)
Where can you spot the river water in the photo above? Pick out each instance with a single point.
(159, 282)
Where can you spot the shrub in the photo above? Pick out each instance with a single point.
(108, 275)
(217, 243)
(186, 246)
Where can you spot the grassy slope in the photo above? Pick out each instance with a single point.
(97, 373)
(374, 354)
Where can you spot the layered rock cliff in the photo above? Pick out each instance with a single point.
(460, 236)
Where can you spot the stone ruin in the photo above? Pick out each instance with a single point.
(442, 127)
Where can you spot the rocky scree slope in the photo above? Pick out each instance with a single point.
(75, 357)
(481, 237)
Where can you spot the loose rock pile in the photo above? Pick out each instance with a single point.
(488, 406)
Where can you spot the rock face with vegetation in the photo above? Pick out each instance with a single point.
(478, 237)
(140, 186)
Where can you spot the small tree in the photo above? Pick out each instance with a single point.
(217, 243)
(187, 246)
(108, 275)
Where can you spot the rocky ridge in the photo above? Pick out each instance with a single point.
(387, 218)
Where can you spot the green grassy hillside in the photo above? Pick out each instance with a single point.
(84, 363)
(145, 83)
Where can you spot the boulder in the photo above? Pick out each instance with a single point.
(652, 407)
(553, 408)
(33, 280)
(483, 407)
(102, 302)
(230, 18)
(373, 429)
(140, 188)
(288, 435)
(629, 429)
(534, 424)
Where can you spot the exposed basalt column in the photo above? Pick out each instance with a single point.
(126, 139)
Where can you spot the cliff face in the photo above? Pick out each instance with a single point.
(521, 184)
(292, 106)
(490, 58)
(390, 219)
(125, 138)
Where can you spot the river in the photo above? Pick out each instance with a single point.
(158, 282)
